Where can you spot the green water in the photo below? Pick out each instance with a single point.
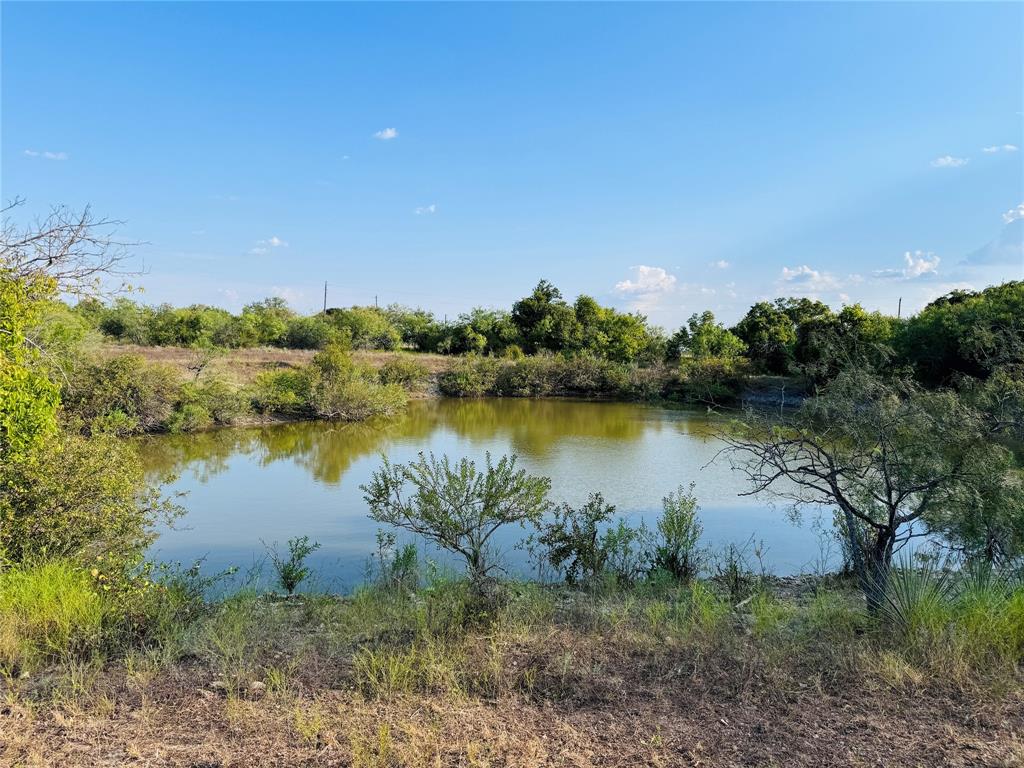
(246, 487)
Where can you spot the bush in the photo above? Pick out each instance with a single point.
(48, 612)
(370, 328)
(309, 333)
(77, 497)
(342, 390)
(587, 374)
(571, 542)
(127, 391)
(713, 380)
(358, 399)
(189, 417)
(527, 377)
(285, 391)
(574, 544)
(201, 405)
(292, 570)
(957, 622)
(225, 404)
(405, 372)
(471, 376)
(678, 531)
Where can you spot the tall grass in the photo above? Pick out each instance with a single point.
(48, 612)
(959, 623)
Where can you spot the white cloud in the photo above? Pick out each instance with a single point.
(920, 263)
(948, 161)
(999, 148)
(1014, 213)
(264, 246)
(46, 155)
(917, 264)
(720, 264)
(808, 280)
(646, 281)
(423, 209)
(386, 134)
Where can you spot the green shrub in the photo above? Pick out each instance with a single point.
(458, 507)
(404, 371)
(917, 604)
(357, 399)
(527, 377)
(285, 391)
(226, 404)
(292, 570)
(189, 417)
(126, 390)
(369, 327)
(677, 532)
(585, 544)
(712, 380)
(626, 556)
(571, 541)
(471, 376)
(309, 333)
(396, 567)
(203, 404)
(48, 612)
(77, 497)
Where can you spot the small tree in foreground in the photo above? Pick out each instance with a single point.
(457, 507)
(897, 462)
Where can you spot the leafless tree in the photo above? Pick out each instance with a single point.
(74, 250)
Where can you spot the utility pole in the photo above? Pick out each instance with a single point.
(899, 308)
(325, 297)
(375, 301)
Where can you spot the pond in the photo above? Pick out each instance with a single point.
(246, 488)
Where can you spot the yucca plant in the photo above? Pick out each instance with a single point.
(917, 603)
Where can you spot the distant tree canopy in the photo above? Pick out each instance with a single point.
(962, 334)
(966, 333)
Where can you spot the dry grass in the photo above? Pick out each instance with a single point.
(549, 680)
(691, 719)
(243, 365)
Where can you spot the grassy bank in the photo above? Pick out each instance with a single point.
(413, 671)
(132, 390)
(129, 389)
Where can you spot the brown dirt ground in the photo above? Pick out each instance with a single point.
(710, 715)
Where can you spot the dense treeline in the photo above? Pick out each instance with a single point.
(963, 333)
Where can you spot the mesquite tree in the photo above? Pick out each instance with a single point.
(458, 507)
(896, 462)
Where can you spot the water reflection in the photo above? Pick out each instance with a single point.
(244, 486)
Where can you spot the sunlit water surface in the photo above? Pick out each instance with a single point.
(247, 488)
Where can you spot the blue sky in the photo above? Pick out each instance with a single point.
(667, 158)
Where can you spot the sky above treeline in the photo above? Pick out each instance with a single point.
(667, 158)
